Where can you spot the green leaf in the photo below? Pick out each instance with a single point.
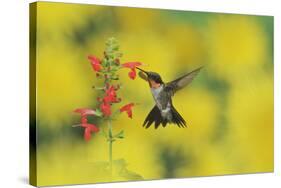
(130, 175)
(114, 68)
(115, 47)
(98, 113)
(118, 54)
(104, 133)
(121, 169)
(109, 135)
(119, 135)
(112, 140)
(104, 61)
(114, 78)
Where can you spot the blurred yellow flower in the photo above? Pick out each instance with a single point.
(56, 19)
(134, 19)
(236, 44)
(250, 116)
(186, 43)
(63, 83)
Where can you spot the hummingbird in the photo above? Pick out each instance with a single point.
(164, 112)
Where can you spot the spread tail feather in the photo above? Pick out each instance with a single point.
(155, 117)
(177, 119)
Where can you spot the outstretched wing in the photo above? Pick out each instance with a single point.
(181, 82)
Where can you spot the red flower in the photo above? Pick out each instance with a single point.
(109, 99)
(127, 108)
(89, 128)
(111, 95)
(84, 120)
(132, 74)
(95, 62)
(85, 111)
(105, 108)
(132, 66)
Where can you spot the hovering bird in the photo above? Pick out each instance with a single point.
(164, 112)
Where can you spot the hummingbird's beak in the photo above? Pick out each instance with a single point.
(142, 70)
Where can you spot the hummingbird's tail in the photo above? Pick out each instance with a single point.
(155, 117)
(176, 118)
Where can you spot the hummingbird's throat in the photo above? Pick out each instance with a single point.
(154, 84)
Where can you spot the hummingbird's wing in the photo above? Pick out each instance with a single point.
(173, 86)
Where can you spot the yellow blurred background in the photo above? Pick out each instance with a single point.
(228, 107)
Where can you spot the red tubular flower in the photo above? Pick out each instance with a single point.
(89, 128)
(111, 91)
(95, 62)
(132, 66)
(84, 120)
(105, 108)
(132, 74)
(111, 95)
(109, 99)
(128, 108)
(85, 111)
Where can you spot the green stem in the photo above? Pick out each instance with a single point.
(110, 145)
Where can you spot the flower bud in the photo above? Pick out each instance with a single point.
(107, 85)
(116, 87)
(117, 61)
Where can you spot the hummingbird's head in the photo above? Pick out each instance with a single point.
(154, 78)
